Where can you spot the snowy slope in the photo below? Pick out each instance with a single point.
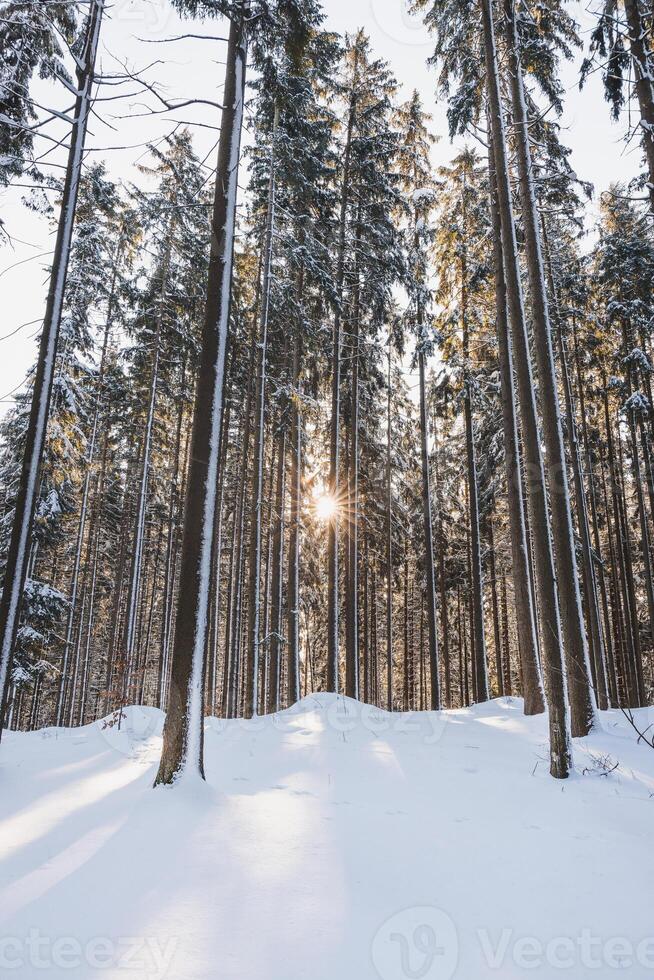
(331, 842)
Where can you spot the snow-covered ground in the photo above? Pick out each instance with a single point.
(331, 842)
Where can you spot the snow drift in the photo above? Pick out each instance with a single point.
(332, 841)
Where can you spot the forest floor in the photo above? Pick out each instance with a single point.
(330, 842)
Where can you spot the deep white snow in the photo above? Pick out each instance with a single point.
(330, 842)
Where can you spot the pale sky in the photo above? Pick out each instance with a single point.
(193, 68)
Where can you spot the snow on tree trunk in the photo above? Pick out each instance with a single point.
(559, 719)
(389, 536)
(532, 685)
(16, 569)
(352, 524)
(640, 40)
(480, 666)
(293, 613)
(334, 447)
(256, 505)
(183, 732)
(598, 661)
(582, 702)
(429, 541)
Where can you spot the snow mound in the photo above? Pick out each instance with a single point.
(333, 841)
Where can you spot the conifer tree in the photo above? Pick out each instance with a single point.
(18, 554)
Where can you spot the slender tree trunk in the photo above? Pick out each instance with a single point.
(389, 537)
(445, 625)
(582, 702)
(276, 638)
(506, 647)
(598, 661)
(129, 630)
(495, 609)
(19, 546)
(640, 39)
(597, 557)
(293, 627)
(183, 731)
(352, 517)
(256, 504)
(334, 442)
(635, 665)
(623, 549)
(429, 540)
(552, 640)
(173, 509)
(479, 666)
(214, 639)
(234, 595)
(532, 686)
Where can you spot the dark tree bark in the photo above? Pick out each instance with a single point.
(552, 640)
(640, 39)
(389, 537)
(183, 745)
(534, 698)
(293, 671)
(333, 577)
(596, 639)
(26, 499)
(256, 503)
(429, 541)
(352, 514)
(582, 702)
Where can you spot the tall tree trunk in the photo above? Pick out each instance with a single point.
(334, 441)
(293, 613)
(552, 641)
(234, 594)
(633, 651)
(214, 637)
(495, 609)
(582, 702)
(532, 686)
(129, 630)
(256, 503)
(640, 40)
(445, 626)
(277, 578)
(592, 499)
(21, 534)
(479, 666)
(506, 647)
(636, 665)
(352, 515)
(81, 528)
(596, 644)
(173, 509)
(389, 537)
(429, 539)
(183, 732)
